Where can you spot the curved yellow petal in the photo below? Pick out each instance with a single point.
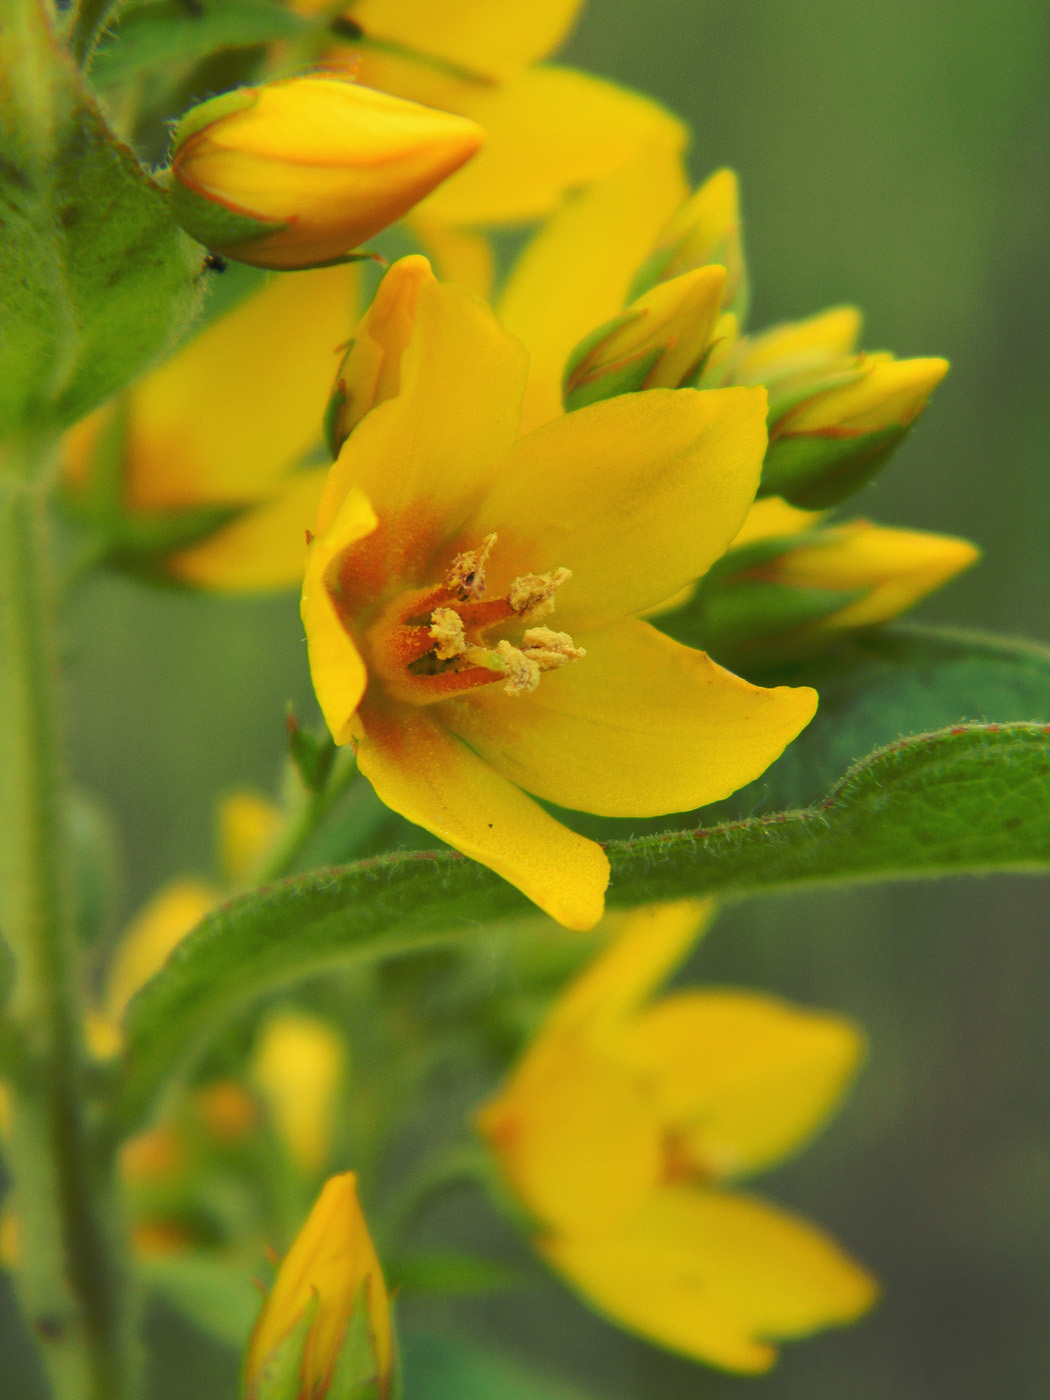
(745, 1079)
(639, 727)
(648, 944)
(336, 666)
(715, 1276)
(197, 432)
(488, 37)
(577, 1140)
(264, 549)
(638, 495)
(458, 254)
(422, 771)
(428, 452)
(548, 130)
(576, 272)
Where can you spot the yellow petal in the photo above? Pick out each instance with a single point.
(262, 550)
(648, 943)
(706, 229)
(640, 726)
(338, 672)
(248, 824)
(638, 495)
(490, 37)
(196, 432)
(430, 451)
(548, 130)
(420, 770)
(297, 1067)
(576, 1138)
(770, 517)
(155, 931)
(798, 346)
(746, 1079)
(576, 272)
(896, 567)
(715, 1276)
(458, 254)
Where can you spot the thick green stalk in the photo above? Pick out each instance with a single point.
(70, 1288)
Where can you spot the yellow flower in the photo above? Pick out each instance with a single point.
(549, 129)
(624, 1119)
(294, 174)
(329, 1284)
(444, 543)
(297, 1068)
(197, 470)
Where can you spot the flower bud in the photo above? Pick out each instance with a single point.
(296, 173)
(705, 230)
(325, 1328)
(787, 594)
(661, 341)
(830, 435)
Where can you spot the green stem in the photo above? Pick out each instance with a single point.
(281, 858)
(70, 1288)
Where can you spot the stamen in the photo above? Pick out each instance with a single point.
(522, 672)
(548, 649)
(466, 577)
(534, 593)
(446, 628)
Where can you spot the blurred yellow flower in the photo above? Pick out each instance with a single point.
(619, 1126)
(443, 543)
(328, 1285)
(297, 173)
(199, 470)
(297, 1068)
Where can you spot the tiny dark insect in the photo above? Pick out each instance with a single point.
(214, 263)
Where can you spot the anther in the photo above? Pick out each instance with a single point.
(534, 593)
(548, 649)
(466, 577)
(446, 628)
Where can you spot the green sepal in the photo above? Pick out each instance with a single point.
(217, 225)
(627, 377)
(227, 104)
(781, 402)
(280, 1374)
(312, 756)
(817, 470)
(355, 1375)
(333, 424)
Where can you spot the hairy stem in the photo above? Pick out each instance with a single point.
(70, 1288)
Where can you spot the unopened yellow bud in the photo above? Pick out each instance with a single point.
(296, 173)
(889, 394)
(890, 569)
(661, 341)
(705, 230)
(328, 1311)
(297, 1068)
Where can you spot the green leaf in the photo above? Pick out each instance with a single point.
(217, 1294)
(448, 1274)
(973, 798)
(439, 1368)
(155, 36)
(879, 686)
(96, 281)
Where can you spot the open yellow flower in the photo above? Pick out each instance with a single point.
(626, 1116)
(198, 470)
(549, 129)
(471, 598)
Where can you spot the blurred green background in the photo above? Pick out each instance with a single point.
(894, 154)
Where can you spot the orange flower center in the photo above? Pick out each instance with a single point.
(433, 643)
